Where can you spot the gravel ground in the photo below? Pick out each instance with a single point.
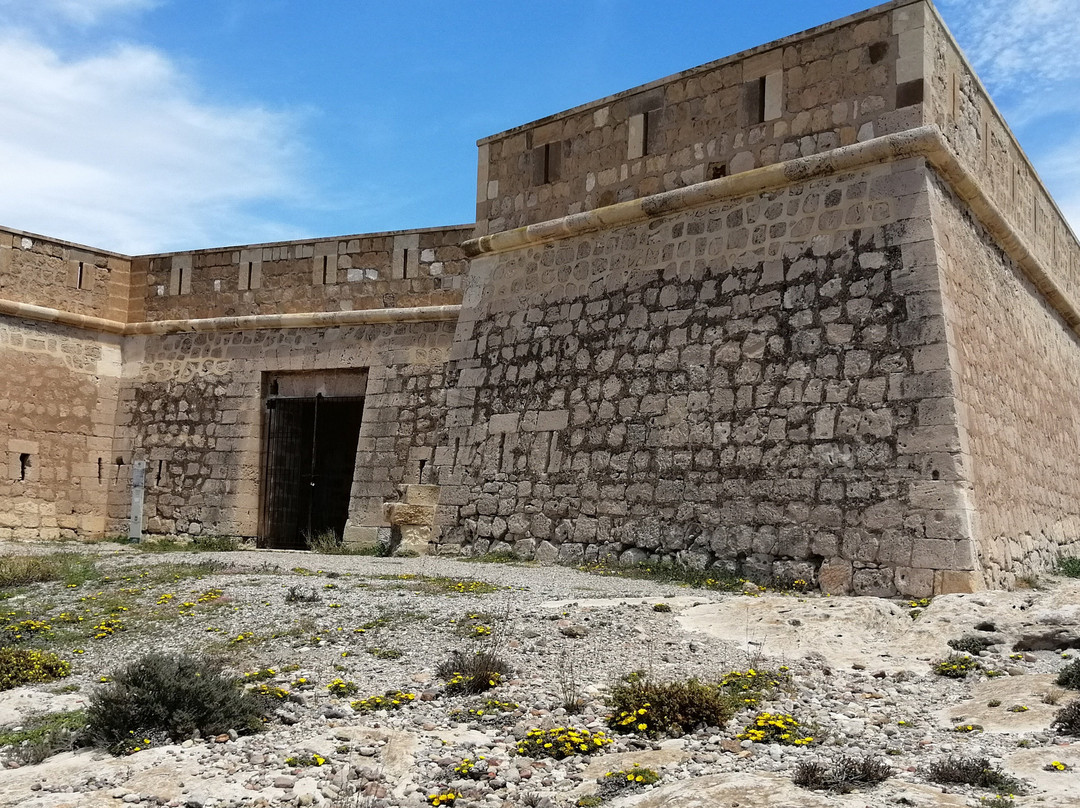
(558, 628)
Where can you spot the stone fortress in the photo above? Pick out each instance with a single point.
(806, 311)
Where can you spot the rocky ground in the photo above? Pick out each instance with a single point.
(861, 676)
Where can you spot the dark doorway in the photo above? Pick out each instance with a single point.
(307, 478)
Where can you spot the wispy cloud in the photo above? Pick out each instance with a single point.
(120, 151)
(1014, 42)
(1061, 169)
(80, 12)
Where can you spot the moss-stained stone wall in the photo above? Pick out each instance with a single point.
(756, 384)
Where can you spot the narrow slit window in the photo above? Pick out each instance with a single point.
(405, 262)
(250, 273)
(24, 465)
(79, 276)
(761, 99)
(326, 269)
(99, 468)
(160, 463)
(180, 278)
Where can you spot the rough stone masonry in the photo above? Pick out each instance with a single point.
(803, 312)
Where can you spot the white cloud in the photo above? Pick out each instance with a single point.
(1014, 42)
(80, 12)
(118, 151)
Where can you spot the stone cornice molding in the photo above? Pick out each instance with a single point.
(321, 319)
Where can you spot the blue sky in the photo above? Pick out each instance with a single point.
(150, 125)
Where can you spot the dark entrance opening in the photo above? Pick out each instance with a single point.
(307, 478)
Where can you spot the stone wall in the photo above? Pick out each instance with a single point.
(55, 274)
(959, 105)
(382, 270)
(831, 86)
(1016, 363)
(58, 390)
(758, 384)
(192, 406)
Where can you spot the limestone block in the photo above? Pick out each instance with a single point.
(873, 582)
(835, 576)
(912, 582)
(422, 494)
(360, 536)
(547, 552)
(415, 540)
(949, 581)
(403, 513)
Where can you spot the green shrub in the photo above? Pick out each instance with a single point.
(27, 666)
(976, 772)
(472, 673)
(748, 687)
(668, 708)
(956, 666)
(1069, 566)
(163, 696)
(1069, 676)
(661, 607)
(1067, 719)
(971, 644)
(844, 775)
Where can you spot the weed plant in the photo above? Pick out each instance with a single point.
(390, 700)
(956, 666)
(668, 708)
(443, 585)
(632, 779)
(171, 696)
(385, 653)
(1067, 719)
(1069, 676)
(43, 736)
(302, 594)
(561, 742)
(780, 728)
(844, 775)
(749, 687)
(72, 569)
(472, 673)
(971, 644)
(566, 672)
(978, 772)
(675, 574)
(329, 543)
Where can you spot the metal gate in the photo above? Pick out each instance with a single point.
(308, 469)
